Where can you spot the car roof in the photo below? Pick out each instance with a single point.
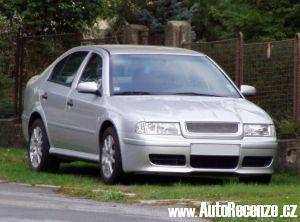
(145, 49)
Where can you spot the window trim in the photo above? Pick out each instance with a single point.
(64, 57)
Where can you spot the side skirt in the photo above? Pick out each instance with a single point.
(74, 154)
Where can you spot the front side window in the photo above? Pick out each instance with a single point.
(168, 75)
(64, 71)
(93, 70)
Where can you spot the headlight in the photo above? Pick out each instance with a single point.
(155, 128)
(259, 130)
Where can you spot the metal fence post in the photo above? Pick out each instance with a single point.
(21, 74)
(296, 97)
(239, 60)
(17, 72)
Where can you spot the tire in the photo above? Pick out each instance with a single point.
(259, 179)
(110, 157)
(38, 150)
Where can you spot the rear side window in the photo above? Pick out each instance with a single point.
(64, 71)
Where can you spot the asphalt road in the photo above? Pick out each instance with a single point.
(21, 203)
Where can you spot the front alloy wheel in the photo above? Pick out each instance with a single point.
(110, 157)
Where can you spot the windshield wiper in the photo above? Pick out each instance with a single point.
(196, 94)
(133, 93)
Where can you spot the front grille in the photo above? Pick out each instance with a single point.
(198, 127)
(214, 162)
(169, 160)
(257, 161)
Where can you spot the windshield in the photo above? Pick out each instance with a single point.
(168, 75)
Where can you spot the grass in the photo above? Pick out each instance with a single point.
(82, 180)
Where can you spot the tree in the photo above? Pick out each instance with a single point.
(51, 16)
(152, 13)
(258, 20)
(155, 14)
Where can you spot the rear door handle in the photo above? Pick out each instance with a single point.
(70, 103)
(45, 96)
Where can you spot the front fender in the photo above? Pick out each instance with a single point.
(122, 124)
(114, 118)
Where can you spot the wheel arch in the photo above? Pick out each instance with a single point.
(38, 113)
(34, 116)
(106, 124)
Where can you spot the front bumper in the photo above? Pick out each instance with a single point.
(135, 154)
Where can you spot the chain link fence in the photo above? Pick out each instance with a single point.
(41, 51)
(35, 53)
(222, 52)
(267, 65)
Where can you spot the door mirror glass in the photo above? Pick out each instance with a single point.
(248, 90)
(88, 87)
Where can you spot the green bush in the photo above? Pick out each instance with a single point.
(7, 59)
(287, 129)
(6, 107)
(6, 100)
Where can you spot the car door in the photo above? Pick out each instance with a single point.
(54, 93)
(84, 114)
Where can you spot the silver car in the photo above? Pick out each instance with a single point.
(143, 109)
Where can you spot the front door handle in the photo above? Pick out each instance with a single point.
(45, 96)
(70, 103)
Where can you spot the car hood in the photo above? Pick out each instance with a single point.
(190, 108)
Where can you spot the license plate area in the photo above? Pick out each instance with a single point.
(215, 149)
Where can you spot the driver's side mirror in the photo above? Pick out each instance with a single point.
(248, 90)
(88, 87)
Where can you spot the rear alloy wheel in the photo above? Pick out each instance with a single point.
(259, 179)
(35, 147)
(38, 149)
(110, 157)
